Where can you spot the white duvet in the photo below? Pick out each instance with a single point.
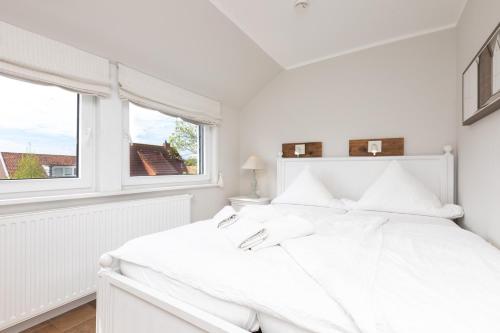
(357, 273)
(268, 280)
(409, 275)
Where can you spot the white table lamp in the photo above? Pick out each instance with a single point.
(253, 163)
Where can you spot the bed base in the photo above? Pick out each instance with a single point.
(127, 306)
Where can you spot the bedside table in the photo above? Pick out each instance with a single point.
(240, 202)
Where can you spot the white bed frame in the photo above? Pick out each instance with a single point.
(126, 306)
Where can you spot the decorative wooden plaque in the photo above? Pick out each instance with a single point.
(390, 147)
(312, 149)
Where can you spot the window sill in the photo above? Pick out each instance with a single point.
(92, 195)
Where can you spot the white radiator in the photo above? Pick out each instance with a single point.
(50, 258)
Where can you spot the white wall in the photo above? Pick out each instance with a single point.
(479, 155)
(402, 89)
(188, 43)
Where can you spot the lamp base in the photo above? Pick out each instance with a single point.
(254, 194)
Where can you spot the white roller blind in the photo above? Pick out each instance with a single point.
(156, 94)
(31, 57)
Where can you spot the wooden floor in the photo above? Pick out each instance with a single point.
(79, 320)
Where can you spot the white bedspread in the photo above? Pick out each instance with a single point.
(342, 257)
(409, 275)
(359, 272)
(268, 280)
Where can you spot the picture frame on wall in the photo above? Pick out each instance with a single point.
(481, 81)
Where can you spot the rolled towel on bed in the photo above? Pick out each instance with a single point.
(260, 228)
(283, 228)
(225, 217)
(246, 233)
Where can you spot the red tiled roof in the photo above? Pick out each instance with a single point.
(151, 160)
(3, 174)
(11, 160)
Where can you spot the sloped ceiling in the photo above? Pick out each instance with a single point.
(328, 28)
(189, 43)
(227, 49)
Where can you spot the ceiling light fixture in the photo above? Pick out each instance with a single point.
(301, 3)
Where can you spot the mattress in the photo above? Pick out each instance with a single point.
(236, 314)
(233, 313)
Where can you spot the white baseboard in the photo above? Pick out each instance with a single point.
(49, 315)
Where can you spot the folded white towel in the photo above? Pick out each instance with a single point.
(225, 217)
(260, 227)
(283, 228)
(245, 233)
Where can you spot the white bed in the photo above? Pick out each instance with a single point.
(141, 298)
(233, 313)
(238, 315)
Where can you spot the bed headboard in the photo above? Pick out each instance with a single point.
(349, 177)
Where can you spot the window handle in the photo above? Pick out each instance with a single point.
(87, 135)
(220, 180)
(127, 137)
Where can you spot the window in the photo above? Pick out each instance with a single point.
(62, 171)
(38, 130)
(163, 149)
(162, 145)
(40, 143)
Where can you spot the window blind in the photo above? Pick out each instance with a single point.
(32, 57)
(153, 93)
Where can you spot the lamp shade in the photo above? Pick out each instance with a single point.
(253, 163)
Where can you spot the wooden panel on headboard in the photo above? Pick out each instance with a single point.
(313, 149)
(390, 147)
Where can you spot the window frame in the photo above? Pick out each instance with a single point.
(209, 162)
(86, 156)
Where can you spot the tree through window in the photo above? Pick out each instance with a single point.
(162, 145)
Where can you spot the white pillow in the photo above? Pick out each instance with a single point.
(306, 190)
(398, 191)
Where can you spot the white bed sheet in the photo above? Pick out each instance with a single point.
(236, 314)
